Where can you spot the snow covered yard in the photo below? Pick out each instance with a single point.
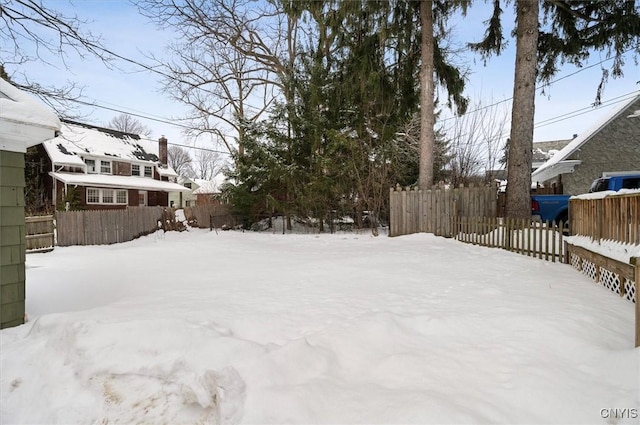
(199, 327)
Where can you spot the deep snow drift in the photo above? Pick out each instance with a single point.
(199, 327)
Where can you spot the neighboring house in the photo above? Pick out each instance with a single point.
(201, 192)
(24, 122)
(184, 199)
(543, 151)
(100, 168)
(208, 191)
(611, 145)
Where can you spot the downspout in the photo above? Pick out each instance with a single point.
(54, 199)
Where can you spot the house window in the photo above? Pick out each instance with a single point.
(93, 196)
(91, 165)
(187, 185)
(105, 167)
(122, 197)
(148, 171)
(135, 169)
(107, 196)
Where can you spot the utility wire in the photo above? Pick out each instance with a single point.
(167, 121)
(568, 115)
(160, 120)
(542, 86)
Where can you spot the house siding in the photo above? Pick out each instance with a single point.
(158, 199)
(616, 147)
(121, 168)
(153, 199)
(133, 198)
(12, 239)
(207, 199)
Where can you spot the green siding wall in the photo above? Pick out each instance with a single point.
(12, 239)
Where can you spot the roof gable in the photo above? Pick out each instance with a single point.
(545, 172)
(84, 140)
(542, 151)
(209, 186)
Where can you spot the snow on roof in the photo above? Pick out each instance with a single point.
(84, 140)
(24, 121)
(549, 169)
(542, 151)
(166, 171)
(209, 186)
(17, 105)
(118, 182)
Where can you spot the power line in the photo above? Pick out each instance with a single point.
(542, 86)
(576, 113)
(163, 121)
(586, 110)
(153, 69)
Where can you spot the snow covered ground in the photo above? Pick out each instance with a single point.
(199, 327)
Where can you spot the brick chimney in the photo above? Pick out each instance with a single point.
(162, 150)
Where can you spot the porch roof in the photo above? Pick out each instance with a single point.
(117, 182)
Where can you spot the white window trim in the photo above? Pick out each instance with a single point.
(145, 196)
(110, 166)
(114, 194)
(89, 170)
(142, 169)
(97, 165)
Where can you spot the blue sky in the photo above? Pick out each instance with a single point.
(129, 89)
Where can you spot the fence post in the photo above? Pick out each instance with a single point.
(635, 261)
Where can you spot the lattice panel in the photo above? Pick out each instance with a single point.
(610, 280)
(589, 269)
(575, 261)
(630, 290)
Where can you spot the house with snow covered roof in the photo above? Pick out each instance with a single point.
(611, 145)
(201, 192)
(543, 151)
(106, 169)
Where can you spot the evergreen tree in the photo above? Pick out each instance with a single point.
(334, 141)
(564, 32)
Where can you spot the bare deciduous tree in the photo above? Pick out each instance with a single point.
(33, 32)
(228, 61)
(207, 164)
(128, 124)
(180, 160)
(476, 142)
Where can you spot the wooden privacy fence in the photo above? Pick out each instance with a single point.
(534, 239)
(433, 210)
(40, 236)
(613, 217)
(102, 227)
(105, 226)
(210, 216)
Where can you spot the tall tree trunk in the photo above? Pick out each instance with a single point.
(427, 117)
(522, 114)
